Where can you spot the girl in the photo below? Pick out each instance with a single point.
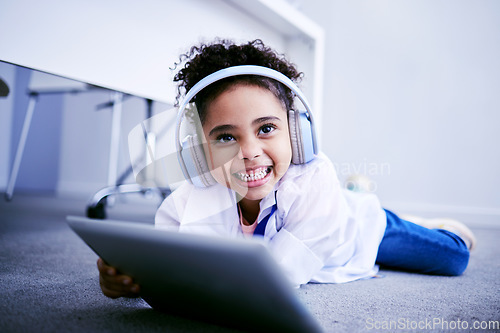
(316, 230)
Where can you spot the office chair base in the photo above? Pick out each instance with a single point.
(96, 208)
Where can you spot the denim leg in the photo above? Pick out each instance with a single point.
(411, 247)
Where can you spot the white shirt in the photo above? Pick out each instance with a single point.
(320, 232)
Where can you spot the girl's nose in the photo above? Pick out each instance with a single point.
(249, 149)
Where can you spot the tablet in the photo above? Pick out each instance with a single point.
(230, 282)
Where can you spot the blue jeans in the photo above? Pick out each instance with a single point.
(408, 246)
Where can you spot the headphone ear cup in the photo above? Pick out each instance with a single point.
(301, 137)
(193, 157)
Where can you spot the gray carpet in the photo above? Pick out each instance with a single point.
(49, 283)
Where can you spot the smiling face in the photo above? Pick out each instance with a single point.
(248, 149)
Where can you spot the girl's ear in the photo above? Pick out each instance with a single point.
(301, 137)
(191, 152)
(193, 157)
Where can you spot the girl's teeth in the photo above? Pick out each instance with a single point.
(253, 175)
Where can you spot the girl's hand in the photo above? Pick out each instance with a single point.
(115, 285)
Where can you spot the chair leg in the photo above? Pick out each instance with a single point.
(20, 147)
(96, 207)
(115, 138)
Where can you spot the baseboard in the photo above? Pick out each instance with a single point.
(87, 191)
(473, 216)
(79, 190)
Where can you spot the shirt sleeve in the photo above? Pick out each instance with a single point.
(314, 215)
(167, 216)
(204, 211)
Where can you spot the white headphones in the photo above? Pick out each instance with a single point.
(190, 151)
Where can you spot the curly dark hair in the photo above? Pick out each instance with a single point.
(206, 59)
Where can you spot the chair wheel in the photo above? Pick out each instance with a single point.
(8, 197)
(98, 211)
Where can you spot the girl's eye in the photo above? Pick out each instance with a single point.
(266, 129)
(224, 138)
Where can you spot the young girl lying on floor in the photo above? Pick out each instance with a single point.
(316, 230)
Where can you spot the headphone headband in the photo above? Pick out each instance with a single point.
(237, 71)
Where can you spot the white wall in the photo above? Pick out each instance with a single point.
(412, 96)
